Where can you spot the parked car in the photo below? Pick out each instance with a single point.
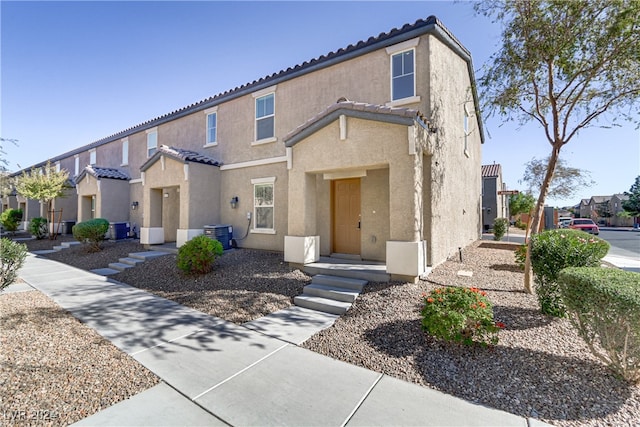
(563, 221)
(585, 225)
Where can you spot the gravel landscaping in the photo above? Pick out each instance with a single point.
(540, 367)
(53, 369)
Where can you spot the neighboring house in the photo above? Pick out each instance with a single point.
(584, 209)
(372, 151)
(494, 205)
(615, 206)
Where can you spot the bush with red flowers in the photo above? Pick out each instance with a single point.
(462, 315)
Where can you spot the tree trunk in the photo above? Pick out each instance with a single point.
(537, 214)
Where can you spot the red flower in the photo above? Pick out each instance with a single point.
(483, 305)
(430, 299)
(500, 325)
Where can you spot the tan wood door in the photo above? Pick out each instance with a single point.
(346, 216)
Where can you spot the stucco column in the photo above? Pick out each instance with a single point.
(302, 204)
(406, 200)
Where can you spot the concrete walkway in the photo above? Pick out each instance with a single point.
(218, 373)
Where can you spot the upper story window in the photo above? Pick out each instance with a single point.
(92, 156)
(125, 151)
(403, 72)
(403, 75)
(212, 126)
(77, 165)
(152, 141)
(265, 117)
(57, 166)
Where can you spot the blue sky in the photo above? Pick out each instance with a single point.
(75, 72)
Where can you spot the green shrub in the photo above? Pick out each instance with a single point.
(10, 219)
(521, 225)
(554, 250)
(38, 227)
(12, 256)
(521, 255)
(604, 305)
(500, 228)
(460, 314)
(198, 254)
(91, 233)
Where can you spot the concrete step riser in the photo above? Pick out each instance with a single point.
(320, 304)
(131, 261)
(345, 295)
(339, 282)
(367, 276)
(119, 266)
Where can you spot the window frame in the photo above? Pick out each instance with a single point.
(208, 113)
(125, 151)
(92, 156)
(77, 164)
(152, 150)
(413, 74)
(257, 96)
(258, 182)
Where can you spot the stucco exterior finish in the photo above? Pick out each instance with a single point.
(378, 153)
(112, 198)
(453, 174)
(237, 183)
(179, 195)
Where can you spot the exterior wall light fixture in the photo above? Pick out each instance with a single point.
(234, 202)
(134, 206)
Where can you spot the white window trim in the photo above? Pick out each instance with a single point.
(125, 141)
(207, 112)
(393, 50)
(94, 155)
(76, 159)
(148, 131)
(257, 181)
(260, 94)
(57, 166)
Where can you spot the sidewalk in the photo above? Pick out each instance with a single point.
(218, 373)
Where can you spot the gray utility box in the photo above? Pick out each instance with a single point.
(67, 227)
(223, 233)
(118, 230)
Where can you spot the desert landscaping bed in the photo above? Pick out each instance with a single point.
(540, 368)
(53, 369)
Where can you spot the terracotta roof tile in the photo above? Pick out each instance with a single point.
(493, 170)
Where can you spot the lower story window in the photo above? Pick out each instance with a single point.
(263, 204)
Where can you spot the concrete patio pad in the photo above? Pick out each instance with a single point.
(159, 406)
(292, 387)
(195, 363)
(396, 402)
(293, 324)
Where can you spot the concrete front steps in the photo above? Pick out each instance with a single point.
(61, 246)
(330, 294)
(131, 261)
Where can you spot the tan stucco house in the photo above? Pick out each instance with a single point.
(371, 151)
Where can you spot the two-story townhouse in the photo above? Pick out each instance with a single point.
(371, 151)
(584, 211)
(615, 207)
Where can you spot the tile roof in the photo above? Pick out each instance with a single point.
(100, 172)
(180, 154)
(355, 109)
(600, 199)
(488, 171)
(431, 25)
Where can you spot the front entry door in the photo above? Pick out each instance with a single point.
(346, 216)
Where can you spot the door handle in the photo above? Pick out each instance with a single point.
(358, 225)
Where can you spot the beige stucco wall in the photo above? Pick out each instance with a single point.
(455, 178)
(30, 208)
(136, 216)
(237, 182)
(68, 203)
(112, 198)
(193, 194)
(381, 151)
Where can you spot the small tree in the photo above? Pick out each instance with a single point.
(563, 65)
(566, 180)
(44, 184)
(632, 205)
